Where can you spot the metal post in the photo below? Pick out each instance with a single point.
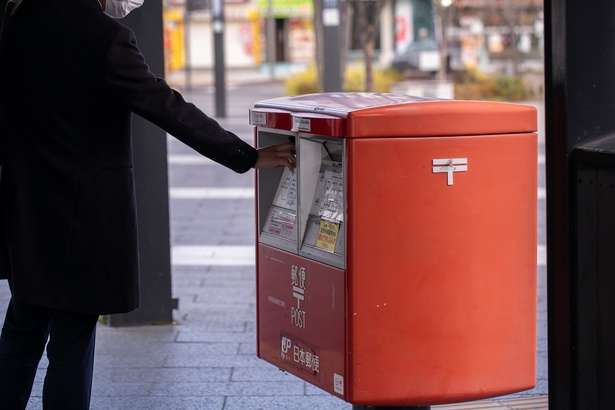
(332, 71)
(270, 39)
(151, 185)
(188, 49)
(219, 63)
(580, 102)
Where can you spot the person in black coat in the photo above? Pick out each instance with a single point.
(70, 77)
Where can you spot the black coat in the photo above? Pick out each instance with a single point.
(70, 78)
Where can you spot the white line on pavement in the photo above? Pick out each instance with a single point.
(189, 159)
(211, 193)
(213, 256)
(245, 255)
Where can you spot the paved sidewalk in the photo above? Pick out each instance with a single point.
(206, 360)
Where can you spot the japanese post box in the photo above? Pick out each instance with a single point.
(396, 265)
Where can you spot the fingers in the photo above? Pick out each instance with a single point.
(285, 147)
(275, 156)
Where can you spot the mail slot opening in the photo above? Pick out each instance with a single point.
(321, 171)
(277, 199)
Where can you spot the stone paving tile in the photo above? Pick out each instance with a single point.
(198, 176)
(237, 312)
(129, 359)
(191, 335)
(213, 326)
(163, 375)
(189, 360)
(199, 349)
(314, 391)
(247, 348)
(224, 280)
(188, 281)
(253, 388)
(226, 295)
(108, 389)
(266, 373)
(138, 333)
(160, 403)
(285, 403)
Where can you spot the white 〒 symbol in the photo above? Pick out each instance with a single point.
(449, 166)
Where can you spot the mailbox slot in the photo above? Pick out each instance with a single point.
(322, 198)
(277, 198)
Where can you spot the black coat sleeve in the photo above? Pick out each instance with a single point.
(133, 84)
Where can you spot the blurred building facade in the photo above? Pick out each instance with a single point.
(502, 35)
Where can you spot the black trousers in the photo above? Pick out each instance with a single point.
(26, 331)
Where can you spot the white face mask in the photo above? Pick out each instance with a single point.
(118, 9)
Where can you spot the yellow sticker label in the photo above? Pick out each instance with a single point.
(327, 236)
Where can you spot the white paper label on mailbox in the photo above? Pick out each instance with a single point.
(286, 195)
(258, 118)
(329, 198)
(332, 201)
(302, 124)
(338, 384)
(281, 222)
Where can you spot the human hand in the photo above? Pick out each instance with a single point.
(281, 155)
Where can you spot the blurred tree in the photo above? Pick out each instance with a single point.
(442, 21)
(368, 16)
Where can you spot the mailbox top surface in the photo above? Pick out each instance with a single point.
(356, 115)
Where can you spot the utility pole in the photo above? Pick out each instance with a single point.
(332, 64)
(219, 64)
(187, 47)
(270, 39)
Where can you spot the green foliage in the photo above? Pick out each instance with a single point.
(475, 85)
(306, 81)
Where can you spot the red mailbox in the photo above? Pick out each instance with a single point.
(397, 264)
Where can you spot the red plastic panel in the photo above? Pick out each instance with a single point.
(441, 278)
(270, 118)
(301, 309)
(320, 124)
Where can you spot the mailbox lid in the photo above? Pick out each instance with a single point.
(365, 115)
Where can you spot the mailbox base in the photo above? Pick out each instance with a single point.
(362, 407)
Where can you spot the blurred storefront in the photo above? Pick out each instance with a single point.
(499, 35)
(188, 27)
